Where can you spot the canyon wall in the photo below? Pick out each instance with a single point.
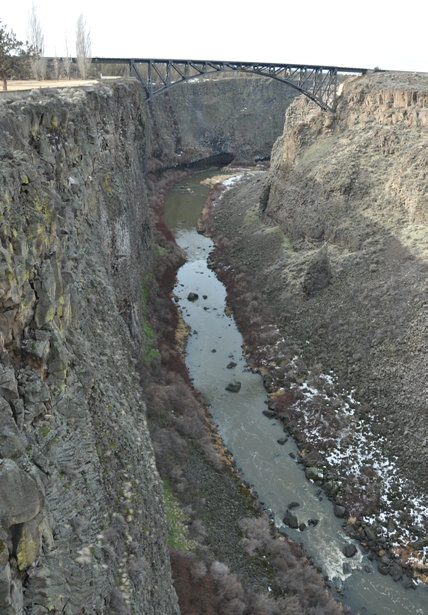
(353, 185)
(236, 118)
(81, 503)
(325, 261)
(83, 527)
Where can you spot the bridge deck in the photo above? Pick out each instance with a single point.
(156, 76)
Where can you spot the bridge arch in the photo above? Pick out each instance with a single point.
(319, 83)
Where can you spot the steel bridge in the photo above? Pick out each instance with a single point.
(319, 83)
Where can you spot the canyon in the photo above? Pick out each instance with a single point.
(327, 257)
(105, 449)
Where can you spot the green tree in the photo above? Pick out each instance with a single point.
(13, 54)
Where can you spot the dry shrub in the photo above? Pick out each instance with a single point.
(173, 406)
(302, 587)
(197, 530)
(257, 534)
(137, 569)
(170, 451)
(211, 589)
(117, 604)
(219, 570)
(198, 570)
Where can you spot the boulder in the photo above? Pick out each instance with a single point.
(313, 473)
(291, 520)
(20, 498)
(339, 511)
(10, 443)
(349, 550)
(234, 386)
(409, 583)
(396, 571)
(5, 578)
(192, 297)
(270, 414)
(383, 567)
(370, 533)
(29, 543)
(8, 384)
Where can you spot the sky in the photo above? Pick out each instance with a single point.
(361, 33)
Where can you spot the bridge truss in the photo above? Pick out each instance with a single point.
(319, 83)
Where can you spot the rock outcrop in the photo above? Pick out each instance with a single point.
(217, 120)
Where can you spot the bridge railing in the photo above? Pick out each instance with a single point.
(319, 83)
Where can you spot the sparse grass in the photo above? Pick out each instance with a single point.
(251, 215)
(287, 243)
(149, 351)
(177, 519)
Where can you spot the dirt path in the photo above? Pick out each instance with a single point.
(20, 85)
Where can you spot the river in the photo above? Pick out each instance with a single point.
(214, 359)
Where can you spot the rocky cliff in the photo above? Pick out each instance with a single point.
(81, 503)
(82, 522)
(328, 254)
(350, 192)
(220, 120)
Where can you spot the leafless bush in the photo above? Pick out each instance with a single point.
(218, 569)
(137, 568)
(197, 530)
(301, 586)
(234, 607)
(198, 570)
(257, 534)
(117, 604)
(170, 450)
(174, 406)
(83, 48)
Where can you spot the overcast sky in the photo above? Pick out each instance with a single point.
(364, 33)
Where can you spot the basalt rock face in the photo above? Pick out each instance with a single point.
(354, 184)
(82, 523)
(239, 118)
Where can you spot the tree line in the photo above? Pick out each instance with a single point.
(26, 60)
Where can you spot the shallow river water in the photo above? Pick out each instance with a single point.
(269, 467)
